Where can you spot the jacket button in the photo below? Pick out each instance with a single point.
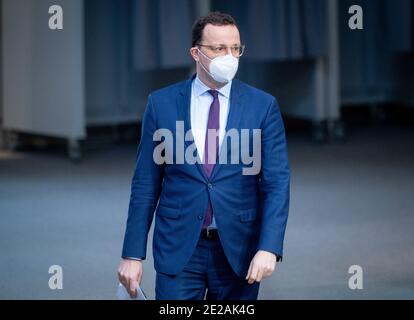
(200, 217)
(210, 186)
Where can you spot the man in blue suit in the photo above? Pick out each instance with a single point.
(219, 225)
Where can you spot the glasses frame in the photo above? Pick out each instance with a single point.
(211, 47)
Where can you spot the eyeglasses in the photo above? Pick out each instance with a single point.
(221, 50)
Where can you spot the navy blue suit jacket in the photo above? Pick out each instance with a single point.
(251, 211)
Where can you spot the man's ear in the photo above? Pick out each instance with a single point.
(194, 53)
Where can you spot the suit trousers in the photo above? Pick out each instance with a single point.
(207, 275)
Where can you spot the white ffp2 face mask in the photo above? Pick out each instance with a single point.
(223, 68)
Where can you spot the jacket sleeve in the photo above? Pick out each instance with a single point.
(274, 182)
(145, 189)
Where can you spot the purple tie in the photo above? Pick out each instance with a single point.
(211, 147)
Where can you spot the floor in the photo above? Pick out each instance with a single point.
(351, 204)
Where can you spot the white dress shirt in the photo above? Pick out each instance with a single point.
(201, 101)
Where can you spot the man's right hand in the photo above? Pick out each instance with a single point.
(129, 273)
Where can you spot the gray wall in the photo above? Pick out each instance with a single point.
(43, 82)
(58, 82)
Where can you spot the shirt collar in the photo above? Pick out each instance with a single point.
(200, 88)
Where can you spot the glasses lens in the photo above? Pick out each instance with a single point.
(237, 51)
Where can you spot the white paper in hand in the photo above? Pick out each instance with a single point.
(123, 294)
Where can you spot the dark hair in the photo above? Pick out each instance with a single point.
(215, 18)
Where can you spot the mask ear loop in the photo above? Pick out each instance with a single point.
(199, 61)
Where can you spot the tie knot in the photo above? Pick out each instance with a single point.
(214, 93)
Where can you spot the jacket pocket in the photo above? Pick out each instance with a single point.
(248, 215)
(168, 212)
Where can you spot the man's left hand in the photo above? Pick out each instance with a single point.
(262, 265)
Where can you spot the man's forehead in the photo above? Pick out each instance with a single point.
(221, 34)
